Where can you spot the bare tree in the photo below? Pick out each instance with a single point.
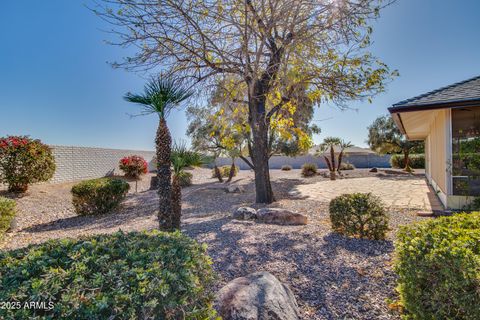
(321, 44)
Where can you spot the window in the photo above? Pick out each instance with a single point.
(466, 151)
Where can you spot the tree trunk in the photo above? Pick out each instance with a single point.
(176, 203)
(232, 171)
(260, 151)
(340, 158)
(164, 145)
(218, 174)
(406, 161)
(332, 156)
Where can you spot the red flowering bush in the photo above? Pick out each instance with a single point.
(24, 161)
(133, 166)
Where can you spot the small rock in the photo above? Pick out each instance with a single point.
(281, 216)
(257, 296)
(374, 170)
(234, 189)
(244, 213)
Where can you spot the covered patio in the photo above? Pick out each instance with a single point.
(448, 120)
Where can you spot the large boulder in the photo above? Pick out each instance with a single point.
(281, 216)
(258, 296)
(245, 213)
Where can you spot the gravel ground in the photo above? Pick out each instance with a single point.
(333, 277)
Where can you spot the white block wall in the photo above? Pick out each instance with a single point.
(78, 163)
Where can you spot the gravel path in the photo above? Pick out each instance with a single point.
(333, 277)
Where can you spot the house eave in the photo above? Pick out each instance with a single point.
(398, 108)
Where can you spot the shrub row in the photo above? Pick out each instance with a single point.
(416, 161)
(98, 196)
(139, 275)
(7, 214)
(438, 267)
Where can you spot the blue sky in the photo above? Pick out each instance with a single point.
(55, 83)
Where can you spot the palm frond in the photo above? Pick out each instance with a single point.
(160, 95)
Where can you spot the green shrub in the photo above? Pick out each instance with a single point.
(185, 178)
(138, 275)
(347, 166)
(416, 161)
(7, 213)
(309, 169)
(98, 196)
(359, 214)
(286, 167)
(24, 161)
(225, 171)
(438, 267)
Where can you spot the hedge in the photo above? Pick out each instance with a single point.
(438, 267)
(416, 161)
(138, 275)
(7, 214)
(98, 196)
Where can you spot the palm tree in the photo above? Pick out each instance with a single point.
(343, 145)
(181, 158)
(160, 96)
(329, 144)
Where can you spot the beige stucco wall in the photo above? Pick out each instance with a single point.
(437, 149)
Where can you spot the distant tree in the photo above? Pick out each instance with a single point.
(160, 96)
(270, 46)
(385, 137)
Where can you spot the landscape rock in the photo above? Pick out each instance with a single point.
(245, 213)
(281, 216)
(257, 296)
(234, 189)
(374, 170)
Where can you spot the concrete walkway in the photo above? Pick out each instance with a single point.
(410, 192)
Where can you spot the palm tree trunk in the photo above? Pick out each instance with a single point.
(406, 159)
(232, 171)
(164, 173)
(218, 174)
(340, 158)
(176, 203)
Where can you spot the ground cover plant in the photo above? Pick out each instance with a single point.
(438, 267)
(286, 167)
(7, 214)
(24, 161)
(98, 196)
(138, 275)
(359, 214)
(225, 171)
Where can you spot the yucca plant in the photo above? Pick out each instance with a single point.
(328, 146)
(181, 158)
(160, 96)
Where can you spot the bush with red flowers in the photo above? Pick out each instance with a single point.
(133, 166)
(24, 161)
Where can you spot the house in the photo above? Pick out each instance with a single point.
(448, 120)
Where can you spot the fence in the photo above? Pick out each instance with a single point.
(78, 163)
(358, 160)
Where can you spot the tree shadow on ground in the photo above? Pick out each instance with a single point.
(337, 277)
